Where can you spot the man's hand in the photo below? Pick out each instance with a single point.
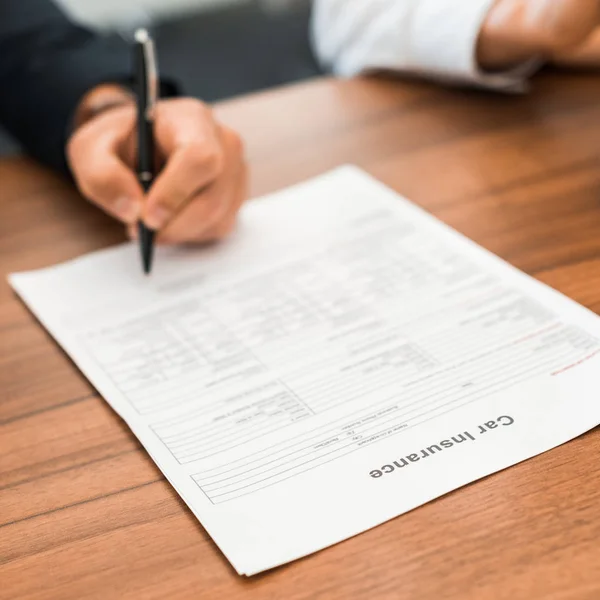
(202, 181)
(563, 31)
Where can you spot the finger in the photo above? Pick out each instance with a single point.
(187, 172)
(225, 225)
(132, 231)
(203, 217)
(108, 182)
(211, 229)
(585, 56)
(188, 138)
(209, 217)
(99, 171)
(560, 24)
(201, 214)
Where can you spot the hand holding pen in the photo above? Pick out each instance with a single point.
(200, 182)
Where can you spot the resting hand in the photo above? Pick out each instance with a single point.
(202, 181)
(561, 31)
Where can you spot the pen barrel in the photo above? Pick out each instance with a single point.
(145, 148)
(145, 134)
(146, 83)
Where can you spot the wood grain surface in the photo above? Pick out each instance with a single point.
(84, 513)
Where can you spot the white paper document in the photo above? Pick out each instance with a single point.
(341, 360)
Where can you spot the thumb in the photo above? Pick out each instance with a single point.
(103, 177)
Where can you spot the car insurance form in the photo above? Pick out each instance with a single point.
(341, 360)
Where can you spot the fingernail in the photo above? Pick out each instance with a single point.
(127, 209)
(157, 217)
(133, 233)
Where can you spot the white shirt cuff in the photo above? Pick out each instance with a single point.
(444, 44)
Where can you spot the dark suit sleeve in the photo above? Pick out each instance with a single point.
(47, 64)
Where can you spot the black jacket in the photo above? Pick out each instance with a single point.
(47, 64)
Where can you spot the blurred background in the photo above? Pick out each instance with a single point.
(215, 48)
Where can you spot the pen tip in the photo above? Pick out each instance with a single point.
(147, 259)
(146, 247)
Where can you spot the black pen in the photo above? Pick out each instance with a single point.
(146, 81)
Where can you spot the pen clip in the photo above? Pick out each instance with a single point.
(151, 71)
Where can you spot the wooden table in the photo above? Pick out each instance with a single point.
(84, 513)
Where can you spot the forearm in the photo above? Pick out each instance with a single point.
(433, 38)
(47, 65)
(518, 30)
